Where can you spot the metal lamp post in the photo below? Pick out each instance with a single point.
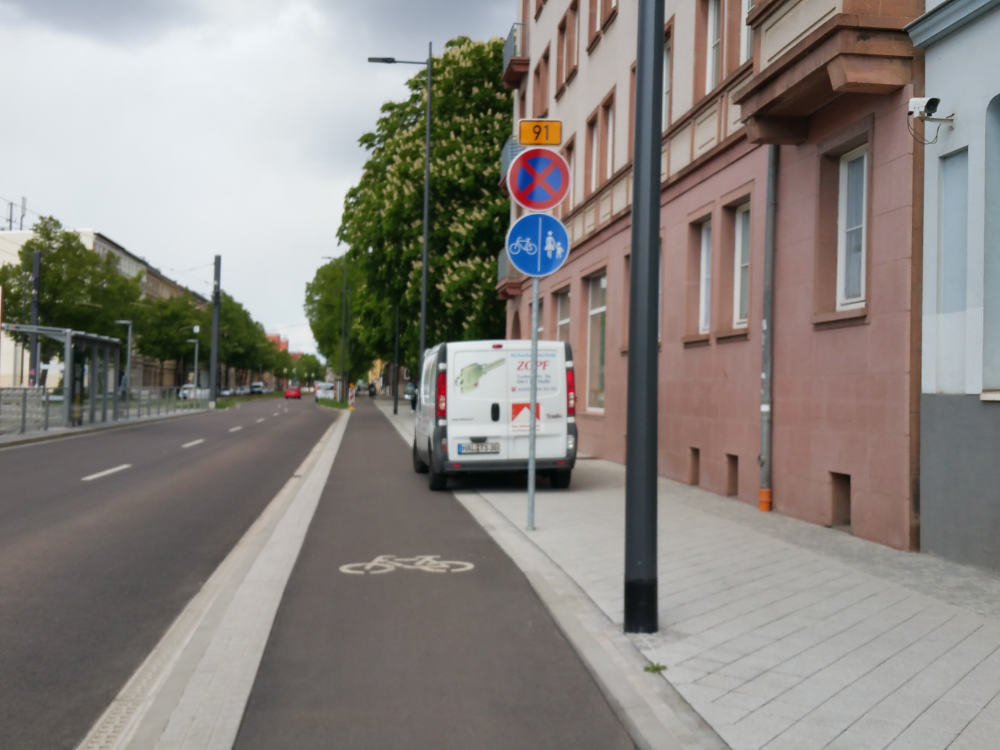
(429, 62)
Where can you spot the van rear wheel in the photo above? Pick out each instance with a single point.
(438, 480)
(559, 478)
(418, 466)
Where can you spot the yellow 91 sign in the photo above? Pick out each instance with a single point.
(539, 132)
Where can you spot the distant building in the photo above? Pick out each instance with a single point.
(279, 341)
(155, 285)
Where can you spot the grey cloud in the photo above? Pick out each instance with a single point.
(117, 21)
(403, 29)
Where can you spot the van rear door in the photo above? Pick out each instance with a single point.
(550, 409)
(478, 391)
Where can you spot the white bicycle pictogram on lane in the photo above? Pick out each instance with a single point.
(388, 563)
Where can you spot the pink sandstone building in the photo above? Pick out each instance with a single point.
(824, 83)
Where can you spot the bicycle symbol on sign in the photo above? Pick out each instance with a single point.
(523, 243)
(388, 563)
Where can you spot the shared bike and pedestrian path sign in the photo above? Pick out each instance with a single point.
(537, 244)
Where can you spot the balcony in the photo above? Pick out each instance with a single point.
(515, 57)
(810, 53)
(508, 278)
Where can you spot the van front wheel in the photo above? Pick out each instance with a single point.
(559, 479)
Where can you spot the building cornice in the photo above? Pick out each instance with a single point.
(946, 19)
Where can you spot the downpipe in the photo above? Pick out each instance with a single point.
(767, 333)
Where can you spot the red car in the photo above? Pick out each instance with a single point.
(293, 391)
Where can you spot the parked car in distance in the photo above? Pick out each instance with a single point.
(225, 391)
(324, 390)
(188, 391)
(257, 387)
(293, 391)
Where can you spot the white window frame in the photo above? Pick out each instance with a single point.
(705, 278)
(843, 302)
(741, 264)
(563, 323)
(593, 312)
(713, 41)
(746, 32)
(609, 124)
(594, 139)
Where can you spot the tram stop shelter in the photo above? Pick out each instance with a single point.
(87, 360)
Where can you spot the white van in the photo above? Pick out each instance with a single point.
(473, 410)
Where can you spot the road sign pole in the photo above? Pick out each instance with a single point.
(531, 405)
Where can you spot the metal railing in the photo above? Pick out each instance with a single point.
(27, 410)
(513, 45)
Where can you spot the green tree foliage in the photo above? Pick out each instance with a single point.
(78, 289)
(308, 368)
(325, 311)
(383, 214)
(163, 328)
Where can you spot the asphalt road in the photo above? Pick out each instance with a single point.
(407, 658)
(95, 566)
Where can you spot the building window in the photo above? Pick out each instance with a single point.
(562, 311)
(667, 66)
(705, 278)
(594, 25)
(541, 86)
(596, 330)
(746, 32)
(569, 30)
(569, 154)
(851, 209)
(713, 45)
(593, 157)
(608, 137)
(741, 265)
(954, 232)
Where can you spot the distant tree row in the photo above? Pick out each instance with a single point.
(382, 224)
(84, 291)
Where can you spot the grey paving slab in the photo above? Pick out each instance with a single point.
(783, 634)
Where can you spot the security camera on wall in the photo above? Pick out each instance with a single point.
(923, 108)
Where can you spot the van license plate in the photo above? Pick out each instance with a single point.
(468, 448)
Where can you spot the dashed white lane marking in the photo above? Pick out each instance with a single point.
(237, 428)
(106, 472)
(275, 414)
(262, 419)
(193, 443)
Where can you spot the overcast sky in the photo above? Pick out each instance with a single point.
(182, 129)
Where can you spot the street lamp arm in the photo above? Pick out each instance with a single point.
(394, 61)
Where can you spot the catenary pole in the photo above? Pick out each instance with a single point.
(213, 362)
(641, 599)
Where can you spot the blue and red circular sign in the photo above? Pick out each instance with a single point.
(538, 179)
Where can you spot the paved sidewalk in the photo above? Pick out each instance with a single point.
(782, 634)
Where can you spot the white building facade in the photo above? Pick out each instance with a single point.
(960, 384)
